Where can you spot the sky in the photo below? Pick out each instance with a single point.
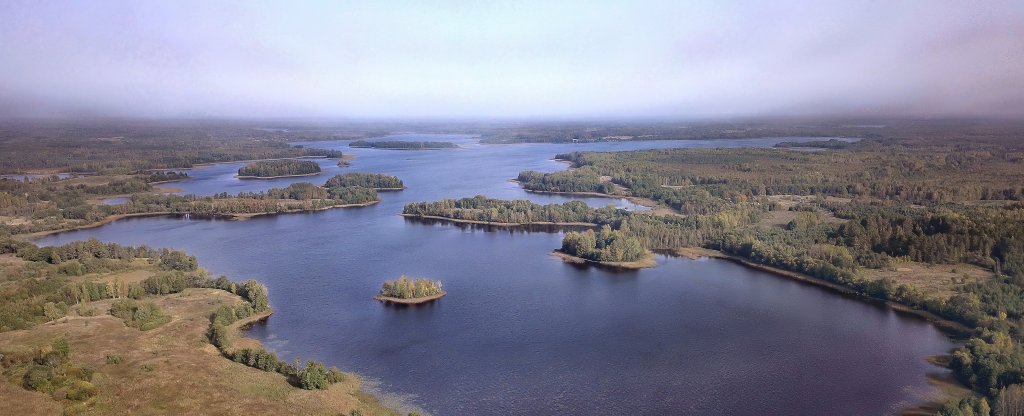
(511, 60)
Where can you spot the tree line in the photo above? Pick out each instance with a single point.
(409, 288)
(481, 208)
(574, 180)
(403, 145)
(365, 180)
(606, 246)
(279, 167)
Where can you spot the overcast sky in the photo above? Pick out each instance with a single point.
(424, 59)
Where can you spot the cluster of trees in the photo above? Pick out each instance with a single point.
(574, 180)
(365, 180)
(406, 288)
(989, 236)
(606, 246)
(993, 365)
(313, 376)
(481, 208)
(42, 290)
(141, 315)
(403, 145)
(161, 176)
(50, 370)
(279, 167)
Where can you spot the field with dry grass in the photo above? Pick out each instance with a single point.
(172, 369)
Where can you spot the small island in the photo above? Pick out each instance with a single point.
(280, 168)
(403, 145)
(409, 291)
(608, 248)
(374, 181)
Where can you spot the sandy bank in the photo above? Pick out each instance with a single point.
(646, 262)
(279, 176)
(243, 216)
(410, 301)
(500, 224)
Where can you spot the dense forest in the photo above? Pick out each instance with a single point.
(278, 168)
(864, 207)
(52, 203)
(410, 288)
(483, 209)
(403, 145)
(366, 180)
(573, 181)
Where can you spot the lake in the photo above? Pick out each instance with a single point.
(521, 332)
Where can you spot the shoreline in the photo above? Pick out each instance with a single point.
(407, 149)
(500, 224)
(950, 328)
(298, 175)
(238, 217)
(644, 202)
(256, 160)
(409, 301)
(648, 261)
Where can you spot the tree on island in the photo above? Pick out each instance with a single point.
(403, 145)
(406, 288)
(365, 180)
(609, 245)
(282, 167)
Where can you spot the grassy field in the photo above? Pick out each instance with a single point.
(172, 369)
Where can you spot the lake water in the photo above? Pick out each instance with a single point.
(521, 332)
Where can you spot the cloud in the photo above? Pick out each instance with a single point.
(396, 59)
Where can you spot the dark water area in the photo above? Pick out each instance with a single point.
(521, 332)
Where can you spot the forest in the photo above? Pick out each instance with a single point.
(867, 206)
(606, 246)
(522, 212)
(278, 168)
(570, 181)
(52, 203)
(403, 145)
(376, 181)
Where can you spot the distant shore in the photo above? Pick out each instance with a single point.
(279, 176)
(410, 301)
(948, 326)
(501, 224)
(647, 262)
(239, 216)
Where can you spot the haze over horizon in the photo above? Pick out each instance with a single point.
(393, 59)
